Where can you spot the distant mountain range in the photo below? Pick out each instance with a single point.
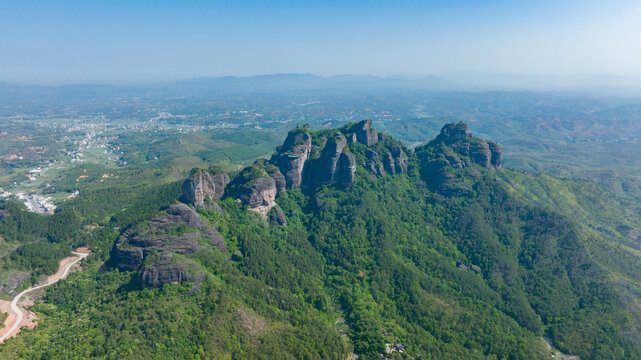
(206, 86)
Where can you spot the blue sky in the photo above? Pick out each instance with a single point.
(129, 41)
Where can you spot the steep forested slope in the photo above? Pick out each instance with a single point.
(439, 251)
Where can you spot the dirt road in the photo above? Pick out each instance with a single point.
(16, 314)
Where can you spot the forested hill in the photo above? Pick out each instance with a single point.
(345, 241)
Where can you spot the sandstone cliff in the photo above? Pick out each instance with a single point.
(255, 188)
(202, 186)
(305, 160)
(364, 133)
(450, 163)
(333, 166)
(292, 156)
(330, 157)
(177, 229)
(168, 268)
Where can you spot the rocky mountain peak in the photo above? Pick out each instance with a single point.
(453, 132)
(454, 157)
(292, 155)
(327, 157)
(293, 166)
(457, 137)
(364, 133)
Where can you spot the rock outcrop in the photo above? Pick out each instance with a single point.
(451, 162)
(453, 133)
(202, 186)
(302, 161)
(497, 155)
(333, 166)
(329, 159)
(262, 193)
(279, 179)
(399, 158)
(388, 159)
(277, 217)
(364, 133)
(480, 153)
(292, 155)
(177, 229)
(255, 188)
(376, 165)
(167, 268)
(346, 169)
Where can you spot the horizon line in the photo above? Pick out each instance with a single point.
(157, 80)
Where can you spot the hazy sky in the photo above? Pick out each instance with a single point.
(115, 41)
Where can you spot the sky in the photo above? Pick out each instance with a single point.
(57, 42)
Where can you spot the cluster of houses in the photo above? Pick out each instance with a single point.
(37, 204)
(36, 172)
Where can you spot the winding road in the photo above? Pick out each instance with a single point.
(14, 304)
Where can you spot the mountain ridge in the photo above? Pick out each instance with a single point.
(334, 268)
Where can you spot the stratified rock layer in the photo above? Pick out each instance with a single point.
(399, 158)
(166, 268)
(177, 229)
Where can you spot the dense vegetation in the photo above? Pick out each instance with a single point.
(480, 276)
(38, 258)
